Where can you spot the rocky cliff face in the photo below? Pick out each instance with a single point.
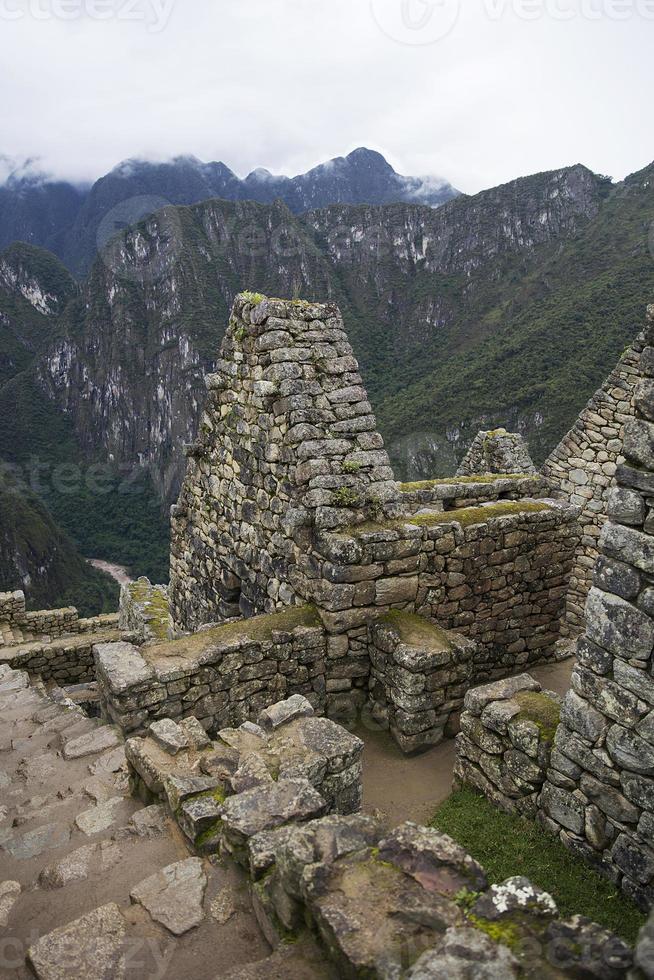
(74, 221)
(128, 366)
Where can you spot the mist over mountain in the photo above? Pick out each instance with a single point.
(74, 221)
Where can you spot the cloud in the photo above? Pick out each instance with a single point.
(287, 84)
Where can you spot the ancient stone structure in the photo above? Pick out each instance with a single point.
(287, 443)
(289, 501)
(221, 676)
(582, 469)
(600, 791)
(282, 799)
(505, 744)
(54, 643)
(419, 674)
(496, 451)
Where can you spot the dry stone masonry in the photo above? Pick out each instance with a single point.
(289, 502)
(496, 451)
(505, 744)
(282, 799)
(287, 442)
(53, 643)
(582, 468)
(600, 791)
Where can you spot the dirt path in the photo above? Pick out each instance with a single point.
(117, 572)
(412, 788)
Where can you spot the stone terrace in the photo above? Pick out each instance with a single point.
(55, 643)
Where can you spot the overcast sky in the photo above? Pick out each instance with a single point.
(478, 91)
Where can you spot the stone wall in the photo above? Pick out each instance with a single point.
(496, 574)
(600, 792)
(221, 676)
(144, 611)
(582, 468)
(456, 492)
(53, 643)
(287, 441)
(289, 766)
(505, 743)
(289, 500)
(419, 675)
(496, 451)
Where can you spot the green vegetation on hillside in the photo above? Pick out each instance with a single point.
(37, 557)
(508, 845)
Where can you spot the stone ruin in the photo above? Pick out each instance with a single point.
(300, 566)
(305, 583)
(496, 451)
(591, 778)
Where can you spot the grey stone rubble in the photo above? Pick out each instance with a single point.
(291, 766)
(505, 744)
(382, 903)
(599, 796)
(496, 451)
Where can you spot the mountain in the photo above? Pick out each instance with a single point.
(416, 285)
(37, 209)
(36, 557)
(75, 222)
(505, 308)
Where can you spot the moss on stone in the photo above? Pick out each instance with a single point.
(209, 835)
(155, 606)
(258, 629)
(254, 298)
(504, 932)
(416, 631)
(478, 515)
(345, 497)
(454, 480)
(463, 515)
(542, 710)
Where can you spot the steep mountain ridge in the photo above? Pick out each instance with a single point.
(74, 222)
(129, 365)
(508, 307)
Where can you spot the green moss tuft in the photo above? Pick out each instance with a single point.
(254, 298)
(505, 933)
(345, 497)
(542, 710)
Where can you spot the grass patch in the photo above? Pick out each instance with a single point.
(258, 629)
(416, 631)
(508, 845)
(542, 710)
(454, 480)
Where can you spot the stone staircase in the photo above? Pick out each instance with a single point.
(95, 886)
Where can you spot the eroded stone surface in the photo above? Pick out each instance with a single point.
(91, 946)
(174, 896)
